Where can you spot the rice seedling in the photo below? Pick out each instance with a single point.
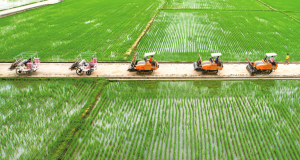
(216, 4)
(60, 31)
(181, 36)
(288, 5)
(192, 120)
(33, 113)
(295, 15)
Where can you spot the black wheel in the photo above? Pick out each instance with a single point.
(18, 71)
(88, 72)
(79, 72)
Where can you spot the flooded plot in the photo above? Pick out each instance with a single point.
(216, 4)
(193, 120)
(6, 4)
(181, 36)
(60, 32)
(33, 113)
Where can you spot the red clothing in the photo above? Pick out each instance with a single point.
(151, 59)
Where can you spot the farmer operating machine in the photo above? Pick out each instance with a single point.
(210, 66)
(264, 66)
(26, 63)
(144, 67)
(82, 64)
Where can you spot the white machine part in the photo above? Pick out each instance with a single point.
(216, 54)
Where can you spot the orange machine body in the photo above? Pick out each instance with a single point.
(146, 66)
(265, 65)
(143, 66)
(208, 66)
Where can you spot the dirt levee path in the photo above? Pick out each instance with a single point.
(166, 71)
(11, 11)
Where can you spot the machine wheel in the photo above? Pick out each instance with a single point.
(88, 72)
(28, 72)
(79, 72)
(18, 71)
(271, 71)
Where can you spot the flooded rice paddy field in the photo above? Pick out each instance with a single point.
(182, 35)
(192, 120)
(33, 113)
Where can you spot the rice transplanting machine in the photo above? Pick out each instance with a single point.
(26, 63)
(83, 65)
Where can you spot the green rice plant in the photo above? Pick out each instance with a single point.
(160, 120)
(35, 112)
(287, 5)
(181, 36)
(216, 4)
(295, 15)
(61, 31)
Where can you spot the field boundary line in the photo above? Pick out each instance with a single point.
(161, 62)
(291, 17)
(149, 24)
(283, 12)
(8, 12)
(204, 79)
(194, 9)
(267, 5)
(76, 124)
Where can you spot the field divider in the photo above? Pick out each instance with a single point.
(196, 9)
(76, 123)
(267, 5)
(134, 46)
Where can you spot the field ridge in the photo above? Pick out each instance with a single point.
(61, 145)
(149, 24)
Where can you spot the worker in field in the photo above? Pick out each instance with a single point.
(217, 60)
(287, 58)
(28, 61)
(152, 60)
(272, 60)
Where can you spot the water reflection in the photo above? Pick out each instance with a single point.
(6, 4)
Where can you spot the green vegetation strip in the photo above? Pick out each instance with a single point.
(192, 120)
(34, 112)
(286, 5)
(216, 4)
(60, 32)
(181, 36)
(58, 149)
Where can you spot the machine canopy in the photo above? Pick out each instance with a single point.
(216, 54)
(27, 55)
(149, 54)
(271, 54)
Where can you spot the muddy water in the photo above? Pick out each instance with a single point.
(6, 4)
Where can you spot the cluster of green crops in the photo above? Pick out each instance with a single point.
(61, 31)
(295, 15)
(180, 36)
(193, 120)
(34, 113)
(286, 5)
(216, 4)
